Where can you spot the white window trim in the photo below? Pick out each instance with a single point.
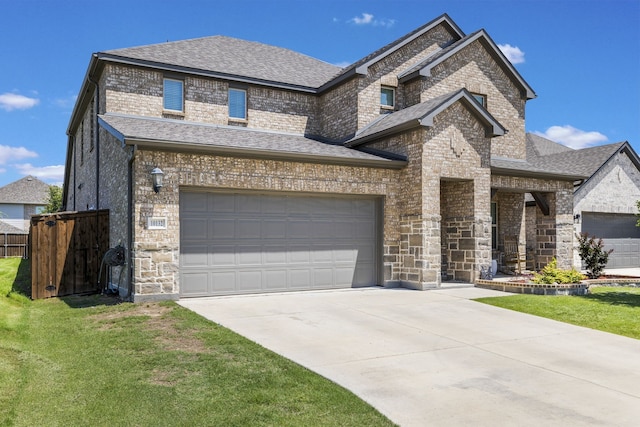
(181, 110)
(246, 106)
(393, 91)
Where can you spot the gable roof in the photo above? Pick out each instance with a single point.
(11, 229)
(232, 59)
(170, 134)
(361, 66)
(26, 191)
(538, 146)
(422, 115)
(585, 161)
(424, 68)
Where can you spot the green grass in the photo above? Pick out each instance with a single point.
(87, 361)
(615, 309)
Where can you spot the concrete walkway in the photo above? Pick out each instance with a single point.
(437, 358)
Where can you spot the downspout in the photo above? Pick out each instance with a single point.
(130, 221)
(75, 172)
(97, 138)
(96, 109)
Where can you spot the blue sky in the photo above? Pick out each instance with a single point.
(581, 57)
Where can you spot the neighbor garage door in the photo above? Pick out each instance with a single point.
(235, 243)
(619, 232)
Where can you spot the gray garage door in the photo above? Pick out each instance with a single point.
(235, 243)
(619, 232)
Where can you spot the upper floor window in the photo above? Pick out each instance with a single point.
(482, 99)
(387, 97)
(173, 95)
(237, 103)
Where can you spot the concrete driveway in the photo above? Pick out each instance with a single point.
(438, 358)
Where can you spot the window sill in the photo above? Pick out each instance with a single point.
(235, 121)
(172, 113)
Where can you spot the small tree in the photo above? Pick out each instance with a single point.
(54, 203)
(593, 254)
(638, 214)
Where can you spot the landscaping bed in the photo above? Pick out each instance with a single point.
(523, 285)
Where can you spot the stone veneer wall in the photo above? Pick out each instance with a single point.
(474, 69)
(554, 233)
(157, 251)
(138, 91)
(613, 189)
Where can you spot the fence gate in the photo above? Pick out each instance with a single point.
(66, 251)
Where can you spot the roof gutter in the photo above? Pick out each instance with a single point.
(261, 154)
(535, 174)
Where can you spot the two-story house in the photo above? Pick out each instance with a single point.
(283, 172)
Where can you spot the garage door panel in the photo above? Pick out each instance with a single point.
(223, 282)
(342, 229)
(269, 243)
(198, 283)
(274, 229)
(196, 256)
(194, 229)
(249, 255)
(299, 229)
(248, 204)
(298, 254)
(300, 278)
(223, 203)
(275, 280)
(274, 255)
(193, 202)
(249, 229)
(221, 229)
(618, 232)
(323, 278)
(274, 205)
(221, 256)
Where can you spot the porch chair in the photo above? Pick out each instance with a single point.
(513, 258)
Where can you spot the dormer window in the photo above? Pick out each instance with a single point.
(173, 95)
(482, 99)
(237, 104)
(387, 97)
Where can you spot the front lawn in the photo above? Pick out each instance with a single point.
(615, 309)
(88, 361)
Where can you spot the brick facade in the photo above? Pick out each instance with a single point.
(436, 216)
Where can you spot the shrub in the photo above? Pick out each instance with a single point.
(593, 255)
(552, 274)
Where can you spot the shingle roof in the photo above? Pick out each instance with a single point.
(422, 115)
(516, 167)
(10, 229)
(585, 161)
(234, 57)
(145, 131)
(538, 146)
(27, 191)
(424, 68)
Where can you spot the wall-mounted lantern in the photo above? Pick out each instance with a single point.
(156, 176)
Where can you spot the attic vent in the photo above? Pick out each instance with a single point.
(157, 223)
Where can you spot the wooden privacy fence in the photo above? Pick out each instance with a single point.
(66, 252)
(14, 245)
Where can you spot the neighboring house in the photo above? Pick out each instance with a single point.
(283, 172)
(21, 199)
(604, 205)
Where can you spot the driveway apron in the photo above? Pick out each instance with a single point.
(439, 358)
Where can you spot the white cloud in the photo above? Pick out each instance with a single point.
(8, 154)
(13, 101)
(50, 173)
(572, 137)
(369, 19)
(366, 18)
(513, 53)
